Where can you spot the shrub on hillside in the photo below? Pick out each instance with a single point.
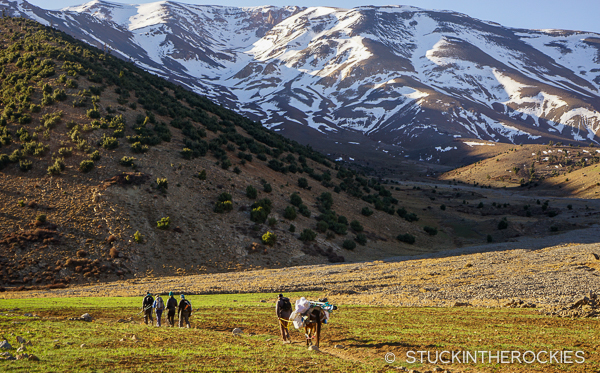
(356, 226)
(127, 161)
(308, 235)
(430, 230)
(269, 238)
(503, 224)
(295, 199)
(366, 211)
(162, 184)
(406, 238)
(86, 165)
(302, 183)
(361, 238)
(251, 192)
(290, 213)
(349, 245)
(163, 223)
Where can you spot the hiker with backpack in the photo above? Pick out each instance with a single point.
(159, 307)
(171, 306)
(283, 309)
(147, 307)
(184, 312)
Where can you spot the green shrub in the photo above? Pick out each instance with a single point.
(187, 153)
(289, 213)
(15, 156)
(59, 95)
(302, 183)
(342, 220)
(95, 156)
(503, 224)
(292, 228)
(109, 143)
(35, 108)
(356, 226)
(308, 235)
(304, 211)
(224, 206)
(3, 161)
(443, 207)
(127, 161)
(86, 165)
(50, 120)
(326, 200)
(410, 217)
(57, 167)
(489, 238)
(349, 245)
(269, 238)
(322, 226)
(272, 222)
(251, 192)
(202, 175)
(430, 230)
(366, 211)
(237, 170)
(361, 238)
(226, 164)
(295, 199)
(225, 197)
(65, 152)
(137, 147)
(406, 238)
(41, 218)
(163, 223)
(137, 237)
(93, 114)
(267, 188)
(25, 165)
(338, 228)
(162, 184)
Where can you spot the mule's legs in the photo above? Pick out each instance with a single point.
(318, 332)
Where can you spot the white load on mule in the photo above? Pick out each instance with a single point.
(304, 307)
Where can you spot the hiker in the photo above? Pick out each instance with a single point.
(147, 307)
(184, 312)
(159, 307)
(283, 309)
(171, 306)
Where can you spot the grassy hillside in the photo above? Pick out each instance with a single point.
(107, 171)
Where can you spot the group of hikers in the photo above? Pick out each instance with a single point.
(184, 309)
(283, 310)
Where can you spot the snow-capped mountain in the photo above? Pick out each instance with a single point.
(397, 79)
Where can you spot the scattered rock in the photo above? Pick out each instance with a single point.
(21, 349)
(82, 345)
(339, 346)
(519, 304)
(57, 346)
(134, 338)
(28, 314)
(34, 358)
(461, 304)
(438, 369)
(5, 345)
(21, 339)
(413, 371)
(237, 331)
(22, 356)
(313, 348)
(6, 356)
(595, 256)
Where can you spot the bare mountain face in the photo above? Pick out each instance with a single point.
(393, 81)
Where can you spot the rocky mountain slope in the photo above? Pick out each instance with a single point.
(393, 81)
(107, 171)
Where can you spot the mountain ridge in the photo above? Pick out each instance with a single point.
(398, 79)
